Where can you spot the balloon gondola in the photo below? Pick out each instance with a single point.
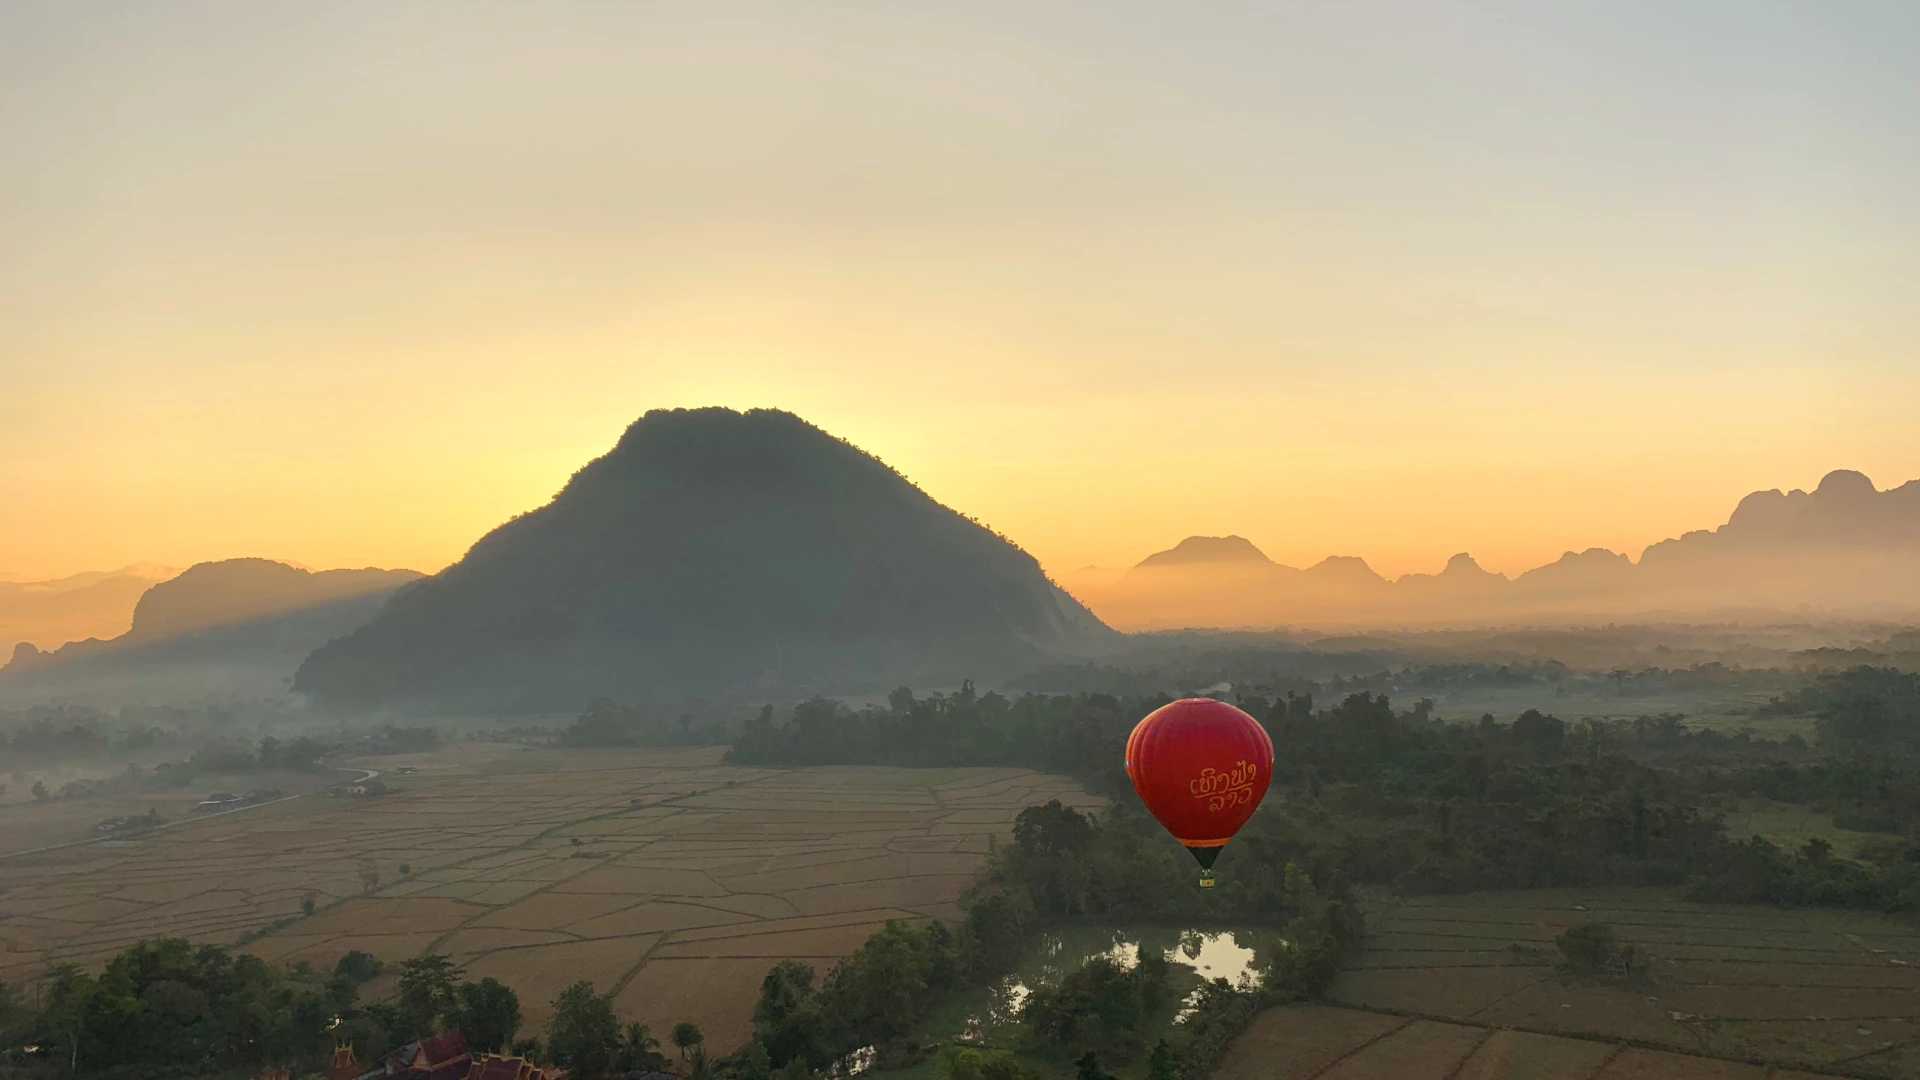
(1201, 767)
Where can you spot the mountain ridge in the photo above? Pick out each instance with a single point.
(1844, 545)
(234, 628)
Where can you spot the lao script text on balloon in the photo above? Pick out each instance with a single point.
(1223, 789)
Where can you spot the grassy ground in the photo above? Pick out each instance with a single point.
(1791, 825)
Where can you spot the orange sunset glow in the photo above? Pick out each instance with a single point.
(1101, 290)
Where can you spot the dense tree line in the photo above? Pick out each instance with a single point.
(1399, 798)
(1276, 672)
(1862, 708)
(608, 723)
(166, 1007)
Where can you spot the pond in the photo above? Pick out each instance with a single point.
(1197, 955)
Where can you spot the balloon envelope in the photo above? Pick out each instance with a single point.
(1201, 766)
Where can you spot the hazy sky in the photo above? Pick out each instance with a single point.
(350, 283)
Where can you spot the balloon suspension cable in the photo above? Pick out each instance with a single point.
(1206, 879)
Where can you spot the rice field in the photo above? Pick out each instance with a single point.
(662, 876)
(1318, 1042)
(1832, 992)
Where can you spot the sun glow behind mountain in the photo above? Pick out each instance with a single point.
(1393, 282)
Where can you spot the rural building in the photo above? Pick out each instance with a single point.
(443, 1057)
(218, 800)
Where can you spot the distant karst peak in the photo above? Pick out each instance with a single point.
(1845, 484)
(1208, 549)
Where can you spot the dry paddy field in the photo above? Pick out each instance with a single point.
(1830, 992)
(1316, 1042)
(662, 876)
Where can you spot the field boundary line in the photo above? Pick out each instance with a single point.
(634, 971)
(552, 830)
(1486, 1036)
(182, 823)
(1621, 1048)
(1623, 1043)
(1873, 1053)
(1538, 979)
(1405, 1023)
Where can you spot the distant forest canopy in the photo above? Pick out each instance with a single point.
(1401, 798)
(1845, 546)
(1249, 672)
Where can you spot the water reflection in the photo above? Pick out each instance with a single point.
(855, 1063)
(1210, 954)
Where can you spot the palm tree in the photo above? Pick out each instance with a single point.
(686, 1036)
(637, 1050)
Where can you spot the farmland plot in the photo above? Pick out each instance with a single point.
(1317, 1042)
(666, 878)
(1821, 990)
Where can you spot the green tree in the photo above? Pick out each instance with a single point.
(359, 966)
(639, 1051)
(1161, 1064)
(427, 993)
(584, 1034)
(787, 1021)
(686, 1036)
(878, 992)
(755, 1062)
(966, 1063)
(488, 1014)
(1591, 949)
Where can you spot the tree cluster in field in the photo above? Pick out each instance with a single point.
(608, 723)
(1591, 951)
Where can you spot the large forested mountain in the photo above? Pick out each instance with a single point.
(710, 553)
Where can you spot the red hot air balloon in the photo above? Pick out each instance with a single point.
(1202, 767)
